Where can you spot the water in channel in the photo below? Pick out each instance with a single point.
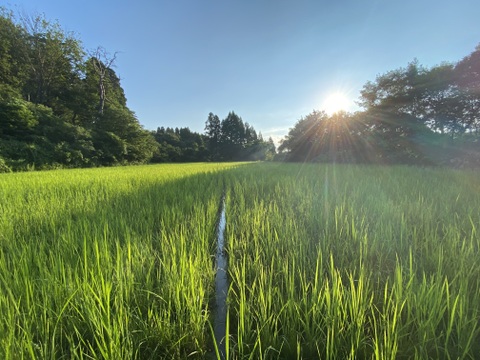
(221, 285)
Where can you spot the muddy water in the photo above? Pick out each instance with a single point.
(221, 285)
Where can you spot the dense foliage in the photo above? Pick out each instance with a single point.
(411, 115)
(59, 106)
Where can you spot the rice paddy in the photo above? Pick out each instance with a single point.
(324, 262)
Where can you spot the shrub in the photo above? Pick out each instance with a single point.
(4, 168)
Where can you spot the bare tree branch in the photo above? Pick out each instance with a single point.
(102, 62)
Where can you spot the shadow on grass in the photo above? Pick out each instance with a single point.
(103, 280)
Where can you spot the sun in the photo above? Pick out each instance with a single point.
(335, 102)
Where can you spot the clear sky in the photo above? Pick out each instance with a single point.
(271, 61)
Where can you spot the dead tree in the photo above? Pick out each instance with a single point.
(102, 63)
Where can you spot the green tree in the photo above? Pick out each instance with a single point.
(213, 131)
(180, 145)
(467, 77)
(233, 138)
(303, 142)
(233, 130)
(121, 139)
(61, 142)
(468, 72)
(12, 53)
(54, 61)
(340, 137)
(423, 97)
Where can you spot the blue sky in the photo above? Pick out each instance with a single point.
(271, 62)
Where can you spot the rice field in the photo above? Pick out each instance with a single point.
(324, 262)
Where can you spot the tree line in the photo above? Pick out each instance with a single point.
(64, 106)
(230, 139)
(411, 115)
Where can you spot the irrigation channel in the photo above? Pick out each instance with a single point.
(221, 285)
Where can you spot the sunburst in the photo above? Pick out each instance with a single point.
(335, 102)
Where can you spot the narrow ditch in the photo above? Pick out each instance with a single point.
(221, 285)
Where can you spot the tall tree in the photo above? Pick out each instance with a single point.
(398, 91)
(233, 130)
(250, 134)
(468, 72)
(422, 97)
(467, 75)
(213, 130)
(12, 53)
(54, 61)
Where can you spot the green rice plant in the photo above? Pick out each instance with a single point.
(342, 261)
(325, 261)
(108, 263)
